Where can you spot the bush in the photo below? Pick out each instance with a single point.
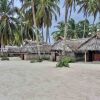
(64, 62)
(32, 61)
(36, 60)
(39, 60)
(4, 58)
(46, 58)
(69, 59)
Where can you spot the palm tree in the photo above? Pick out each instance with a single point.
(8, 23)
(89, 7)
(72, 31)
(42, 11)
(75, 30)
(25, 25)
(27, 5)
(35, 26)
(47, 9)
(69, 5)
(83, 28)
(93, 28)
(59, 33)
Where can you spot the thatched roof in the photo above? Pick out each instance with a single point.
(58, 46)
(71, 45)
(12, 49)
(28, 47)
(31, 47)
(91, 44)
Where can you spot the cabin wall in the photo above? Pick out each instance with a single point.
(79, 56)
(94, 56)
(97, 57)
(34, 56)
(56, 55)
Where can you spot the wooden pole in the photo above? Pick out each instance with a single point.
(85, 56)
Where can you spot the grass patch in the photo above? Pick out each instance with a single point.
(4, 58)
(39, 59)
(36, 60)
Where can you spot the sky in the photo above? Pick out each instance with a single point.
(77, 17)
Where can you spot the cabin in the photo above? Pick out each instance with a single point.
(91, 48)
(10, 50)
(30, 50)
(71, 49)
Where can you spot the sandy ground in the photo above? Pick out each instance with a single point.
(21, 80)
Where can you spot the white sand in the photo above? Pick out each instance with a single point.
(21, 80)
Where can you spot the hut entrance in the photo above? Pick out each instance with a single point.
(57, 55)
(90, 56)
(94, 55)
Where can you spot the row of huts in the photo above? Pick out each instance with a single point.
(29, 50)
(87, 49)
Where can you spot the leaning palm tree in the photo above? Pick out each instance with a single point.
(35, 26)
(31, 4)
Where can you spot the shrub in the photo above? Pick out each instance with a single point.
(69, 59)
(39, 60)
(36, 60)
(64, 62)
(61, 64)
(46, 58)
(4, 58)
(32, 61)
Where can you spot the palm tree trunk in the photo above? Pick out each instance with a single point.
(2, 45)
(46, 34)
(42, 33)
(65, 32)
(35, 26)
(84, 31)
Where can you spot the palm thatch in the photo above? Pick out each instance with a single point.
(92, 44)
(58, 46)
(71, 45)
(28, 47)
(11, 49)
(31, 47)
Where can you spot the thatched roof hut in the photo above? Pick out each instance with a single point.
(28, 47)
(58, 46)
(12, 49)
(31, 47)
(91, 48)
(91, 44)
(71, 45)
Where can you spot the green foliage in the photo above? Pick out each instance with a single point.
(39, 59)
(64, 62)
(33, 61)
(75, 30)
(36, 60)
(46, 58)
(4, 58)
(17, 24)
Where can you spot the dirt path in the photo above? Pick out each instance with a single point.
(21, 80)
